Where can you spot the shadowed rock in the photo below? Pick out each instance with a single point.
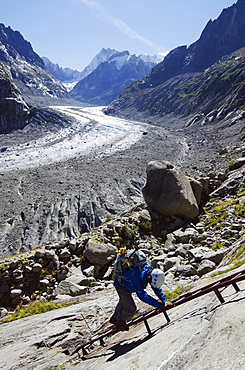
(168, 191)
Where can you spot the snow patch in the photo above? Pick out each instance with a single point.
(69, 85)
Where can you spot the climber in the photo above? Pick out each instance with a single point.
(135, 280)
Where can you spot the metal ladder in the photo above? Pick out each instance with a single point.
(215, 286)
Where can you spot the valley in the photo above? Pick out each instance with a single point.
(90, 133)
(76, 187)
(63, 179)
(60, 179)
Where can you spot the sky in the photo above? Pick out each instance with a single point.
(72, 32)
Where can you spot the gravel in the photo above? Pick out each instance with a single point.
(98, 160)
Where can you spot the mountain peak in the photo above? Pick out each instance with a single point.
(15, 44)
(108, 73)
(179, 83)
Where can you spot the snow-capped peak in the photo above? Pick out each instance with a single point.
(103, 56)
(120, 58)
(150, 58)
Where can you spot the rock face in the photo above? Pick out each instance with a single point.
(184, 82)
(196, 327)
(168, 191)
(62, 74)
(27, 69)
(220, 37)
(13, 109)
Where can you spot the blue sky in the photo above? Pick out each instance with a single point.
(72, 32)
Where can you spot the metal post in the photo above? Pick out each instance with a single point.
(166, 316)
(84, 351)
(219, 296)
(147, 327)
(237, 289)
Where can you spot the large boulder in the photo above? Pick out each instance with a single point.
(204, 253)
(99, 253)
(69, 288)
(169, 191)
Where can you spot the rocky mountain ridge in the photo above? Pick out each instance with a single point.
(16, 46)
(13, 109)
(68, 75)
(25, 82)
(220, 37)
(27, 70)
(142, 65)
(103, 83)
(65, 75)
(204, 97)
(173, 86)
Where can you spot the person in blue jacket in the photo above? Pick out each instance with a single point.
(134, 280)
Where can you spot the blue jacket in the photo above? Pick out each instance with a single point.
(135, 281)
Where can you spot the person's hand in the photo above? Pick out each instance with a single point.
(168, 304)
(165, 305)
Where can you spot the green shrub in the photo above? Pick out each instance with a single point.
(239, 252)
(231, 165)
(127, 233)
(217, 245)
(216, 215)
(240, 210)
(145, 226)
(235, 266)
(172, 294)
(241, 191)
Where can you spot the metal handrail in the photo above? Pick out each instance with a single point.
(215, 286)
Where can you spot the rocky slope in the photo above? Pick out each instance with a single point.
(27, 69)
(183, 244)
(103, 84)
(205, 97)
(52, 189)
(13, 109)
(193, 80)
(187, 252)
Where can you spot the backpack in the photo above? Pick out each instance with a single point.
(127, 260)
